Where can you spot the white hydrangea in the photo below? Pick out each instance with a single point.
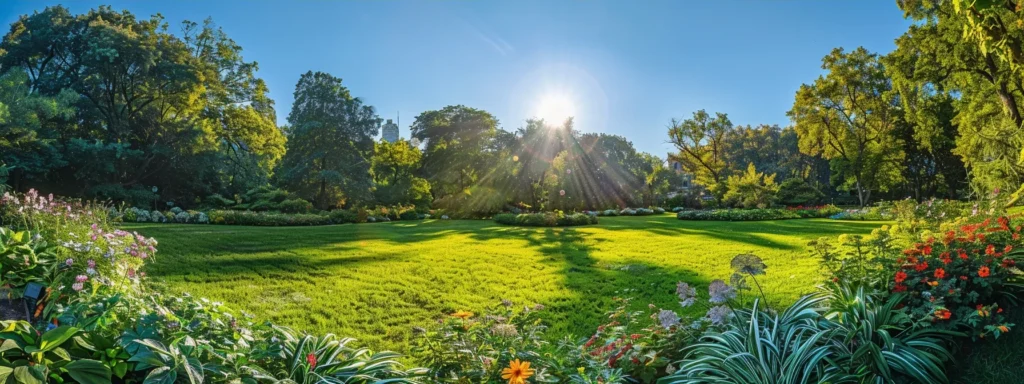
(181, 217)
(201, 218)
(157, 217)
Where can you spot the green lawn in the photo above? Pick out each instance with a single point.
(376, 281)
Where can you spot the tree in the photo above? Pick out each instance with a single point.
(752, 189)
(186, 113)
(849, 117)
(330, 143)
(27, 134)
(966, 55)
(394, 174)
(702, 150)
(457, 139)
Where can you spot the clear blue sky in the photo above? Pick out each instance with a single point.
(627, 67)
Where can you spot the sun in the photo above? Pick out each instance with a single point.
(555, 108)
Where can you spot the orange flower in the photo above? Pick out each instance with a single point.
(1004, 329)
(940, 273)
(983, 271)
(943, 314)
(463, 314)
(517, 372)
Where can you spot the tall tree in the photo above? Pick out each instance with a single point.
(153, 109)
(849, 116)
(457, 140)
(330, 143)
(701, 141)
(394, 174)
(965, 54)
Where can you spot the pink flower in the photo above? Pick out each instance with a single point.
(78, 287)
(92, 264)
(69, 262)
(81, 278)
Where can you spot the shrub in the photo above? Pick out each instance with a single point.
(295, 206)
(267, 218)
(659, 210)
(796, 191)
(342, 216)
(752, 189)
(758, 214)
(545, 219)
(409, 215)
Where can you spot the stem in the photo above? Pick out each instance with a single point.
(765, 298)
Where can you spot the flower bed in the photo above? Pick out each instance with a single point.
(545, 219)
(98, 321)
(758, 214)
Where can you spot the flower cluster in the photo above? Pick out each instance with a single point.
(951, 278)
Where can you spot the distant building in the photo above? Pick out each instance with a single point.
(390, 132)
(685, 183)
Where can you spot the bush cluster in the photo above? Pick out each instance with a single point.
(758, 214)
(546, 219)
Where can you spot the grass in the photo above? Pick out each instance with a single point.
(376, 281)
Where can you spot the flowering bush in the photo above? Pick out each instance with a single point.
(103, 324)
(963, 277)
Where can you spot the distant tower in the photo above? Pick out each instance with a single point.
(390, 132)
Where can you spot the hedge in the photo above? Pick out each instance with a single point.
(545, 219)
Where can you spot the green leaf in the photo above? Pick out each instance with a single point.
(88, 372)
(162, 375)
(55, 337)
(25, 375)
(120, 369)
(5, 372)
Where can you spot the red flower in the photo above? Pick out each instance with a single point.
(311, 359)
(990, 249)
(1008, 248)
(940, 273)
(964, 278)
(1008, 262)
(981, 237)
(983, 271)
(899, 288)
(927, 250)
(901, 276)
(979, 306)
(962, 254)
(943, 314)
(1016, 236)
(921, 267)
(1004, 222)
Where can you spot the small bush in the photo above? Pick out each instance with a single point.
(295, 206)
(267, 219)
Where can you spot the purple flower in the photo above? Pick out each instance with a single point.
(69, 262)
(720, 292)
(668, 318)
(91, 263)
(718, 315)
(687, 295)
(78, 286)
(81, 278)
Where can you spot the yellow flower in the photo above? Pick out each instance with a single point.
(463, 314)
(517, 372)
(885, 228)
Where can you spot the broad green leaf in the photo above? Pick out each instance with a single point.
(88, 372)
(55, 337)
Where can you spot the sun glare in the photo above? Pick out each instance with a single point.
(555, 108)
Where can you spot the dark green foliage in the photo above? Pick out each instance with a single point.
(266, 218)
(796, 191)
